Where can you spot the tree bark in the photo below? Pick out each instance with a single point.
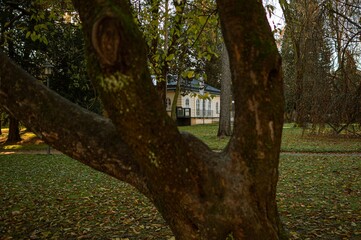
(14, 131)
(224, 128)
(200, 193)
(1, 122)
(175, 99)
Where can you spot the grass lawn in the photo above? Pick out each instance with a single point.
(54, 197)
(292, 140)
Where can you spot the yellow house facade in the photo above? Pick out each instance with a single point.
(194, 106)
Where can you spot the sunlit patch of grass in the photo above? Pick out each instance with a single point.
(12, 147)
(29, 141)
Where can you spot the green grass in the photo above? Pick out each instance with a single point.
(55, 197)
(208, 134)
(293, 140)
(319, 197)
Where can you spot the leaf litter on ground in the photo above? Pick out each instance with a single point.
(320, 197)
(55, 197)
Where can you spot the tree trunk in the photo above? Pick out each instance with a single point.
(175, 99)
(200, 193)
(14, 132)
(224, 128)
(1, 121)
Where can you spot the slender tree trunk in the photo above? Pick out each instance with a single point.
(175, 99)
(1, 121)
(14, 131)
(224, 128)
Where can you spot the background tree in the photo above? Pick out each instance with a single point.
(176, 34)
(343, 20)
(201, 194)
(317, 39)
(224, 128)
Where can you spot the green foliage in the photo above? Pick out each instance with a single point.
(179, 37)
(41, 31)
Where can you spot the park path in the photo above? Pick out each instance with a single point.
(323, 154)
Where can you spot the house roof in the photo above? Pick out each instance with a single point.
(192, 85)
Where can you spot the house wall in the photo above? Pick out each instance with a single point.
(211, 113)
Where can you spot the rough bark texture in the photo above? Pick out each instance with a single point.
(14, 131)
(201, 194)
(224, 128)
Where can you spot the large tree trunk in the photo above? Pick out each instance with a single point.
(200, 193)
(224, 128)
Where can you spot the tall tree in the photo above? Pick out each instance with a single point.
(201, 194)
(319, 39)
(343, 21)
(224, 128)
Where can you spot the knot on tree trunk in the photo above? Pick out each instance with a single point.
(106, 39)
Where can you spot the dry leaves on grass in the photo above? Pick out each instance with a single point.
(319, 197)
(53, 197)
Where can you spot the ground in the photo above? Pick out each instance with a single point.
(54, 197)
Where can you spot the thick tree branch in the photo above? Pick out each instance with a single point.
(258, 122)
(258, 92)
(128, 94)
(87, 137)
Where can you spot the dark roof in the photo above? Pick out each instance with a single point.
(192, 86)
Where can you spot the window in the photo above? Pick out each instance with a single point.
(198, 108)
(187, 103)
(209, 112)
(217, 108)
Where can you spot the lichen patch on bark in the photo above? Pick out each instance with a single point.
(115, 82)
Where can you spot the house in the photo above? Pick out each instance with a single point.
(197, 103)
